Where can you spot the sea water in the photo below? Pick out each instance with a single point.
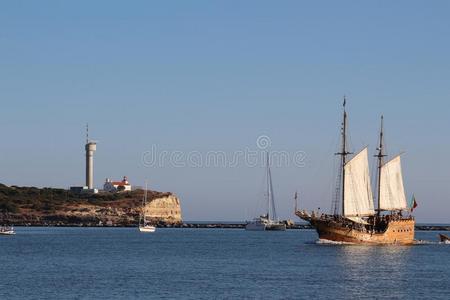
(121, 263)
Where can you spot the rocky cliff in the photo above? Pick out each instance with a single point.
(164, 209)
(41, 207)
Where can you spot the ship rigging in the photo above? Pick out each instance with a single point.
(359, 221)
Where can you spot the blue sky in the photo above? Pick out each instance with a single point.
(213, 76)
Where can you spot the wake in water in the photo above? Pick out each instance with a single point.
(416, 242)
(424, 242)
(329, 242)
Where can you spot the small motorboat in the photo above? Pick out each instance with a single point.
(7, 230)
(444, 238)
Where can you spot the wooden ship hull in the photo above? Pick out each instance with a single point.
(398, 232)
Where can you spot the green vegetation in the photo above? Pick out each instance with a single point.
(14, 198)
(8, 206)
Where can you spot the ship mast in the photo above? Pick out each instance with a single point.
(271, 210)
(380, 156)
(268, 185)
(343, 155)
(272, 198)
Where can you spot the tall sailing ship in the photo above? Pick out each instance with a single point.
(355, 220)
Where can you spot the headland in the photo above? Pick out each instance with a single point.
(31, 206)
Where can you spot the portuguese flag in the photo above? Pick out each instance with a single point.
(413, 203)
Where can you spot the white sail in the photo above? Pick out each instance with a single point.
(392, 192)
(358, 198)
(358, 220)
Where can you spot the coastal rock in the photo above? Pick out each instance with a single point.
(58, 207)
(165, 209)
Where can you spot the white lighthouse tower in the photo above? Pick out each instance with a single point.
(91, 147)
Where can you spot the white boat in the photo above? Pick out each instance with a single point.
(258, 224)
(144, 226)
(444, 239)
(7, 230)
(263, 223)
(147, 228)
(268, 221)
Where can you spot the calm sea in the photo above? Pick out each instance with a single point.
(120, 263)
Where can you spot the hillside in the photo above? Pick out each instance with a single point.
(49, 206)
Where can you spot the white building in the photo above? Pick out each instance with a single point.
(117, 186)
(83, 190)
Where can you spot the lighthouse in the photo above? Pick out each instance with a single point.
(90, 147)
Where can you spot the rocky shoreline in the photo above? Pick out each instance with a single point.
(30, 206)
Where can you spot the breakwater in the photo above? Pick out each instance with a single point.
(202, 225)
(237, 225)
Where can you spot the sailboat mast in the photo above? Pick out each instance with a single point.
(272, 198)
(145, 202)
(268, 185)
(380, 156)
(343, 155)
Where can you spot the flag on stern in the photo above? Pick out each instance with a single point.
(413, 203)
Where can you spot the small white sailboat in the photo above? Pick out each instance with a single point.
(144, 226)
(268, 221)
(147, 228)
(7, 230)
